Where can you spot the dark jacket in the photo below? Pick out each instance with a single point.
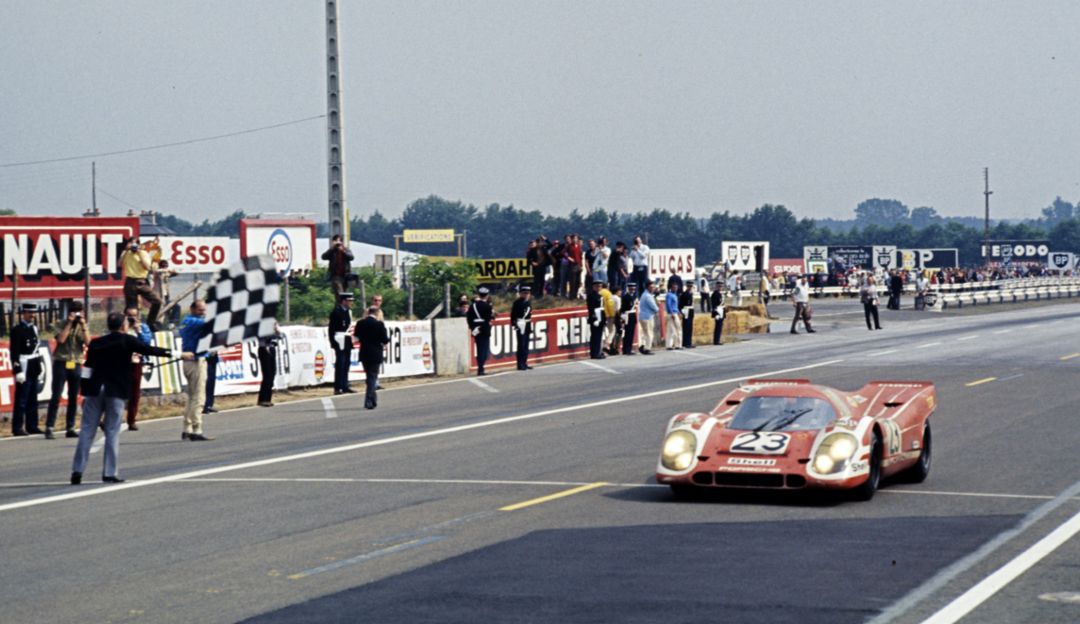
(109, 359)
(686, 300)
(24, 341)
(521, 310)
(480, 315)
(339, 323)
(716, 300)
(896, 284)
(340, 261)
(595, 302)
(371, 333)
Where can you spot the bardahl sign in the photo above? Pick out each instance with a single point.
(502, 269)
(52, 255)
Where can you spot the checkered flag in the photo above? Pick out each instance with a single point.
(242, 303)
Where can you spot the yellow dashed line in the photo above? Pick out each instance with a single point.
(551, 497)
(1070, 356)
(979, 382)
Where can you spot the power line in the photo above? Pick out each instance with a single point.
(108, 194)
(163, 145)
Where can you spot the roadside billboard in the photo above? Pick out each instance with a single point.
(559, 334)
(199, 254)
(927, 258)
(428, 236)
(290, 242)
(739, 255)
(786, 265)
(1007, 252)
(663, 263)
(502, 269)
(844, 257)
(53, 254)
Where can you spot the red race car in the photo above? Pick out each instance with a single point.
(792, 434)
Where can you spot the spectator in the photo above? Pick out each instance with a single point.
(211, 383)
(25, 358)
(340, 331)
(538, 260)
(462, 307)
(136, 264)
(648, 310)
(639, 258)
(340, 259)
(675, 282)
(371, 333)
(141, 331)
(716, 301)
(376, 302)
(896, 288)
(922, 286)
(162, 275)
(686, 308)
(589, 261)
(617, 274)
(481, 316)
(521, 325)
(800, 298)
(868, 295)
(268, 351)
(628, 313)
(608, 302)
(67, 366)
(595, 305)
(108, 372)
(556, 253)
(600, 260)
(734, 286)
(573, 262)
(703, 290)
(674, 319)
(191, 328)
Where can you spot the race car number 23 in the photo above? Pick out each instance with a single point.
(761, 443)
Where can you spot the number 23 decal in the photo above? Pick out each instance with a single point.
(761, 443)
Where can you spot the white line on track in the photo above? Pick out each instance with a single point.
(695, 354)
(968, 337)
(1029, 558)
(328, 407)
(479, 384)
(610, 371)
(100, 442)
(1002, 331)
(887, 352)
(205, 472)
(928, 345)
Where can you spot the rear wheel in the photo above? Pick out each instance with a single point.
(866, 491)
(921, 469)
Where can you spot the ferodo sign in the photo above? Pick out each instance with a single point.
(560, 334)
(1017, 251)
(197, 254)
(663, 263)
(503, 269)
(290, 242)
(53, 254)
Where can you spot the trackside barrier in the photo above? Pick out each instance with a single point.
(1010, 291)
(942, 292)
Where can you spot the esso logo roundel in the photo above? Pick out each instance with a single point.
(280, 248)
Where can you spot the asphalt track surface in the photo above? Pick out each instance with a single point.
(532, 499)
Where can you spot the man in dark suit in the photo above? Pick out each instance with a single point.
(106, 384)
(896, 289)
(686, 304)
(480, 318)
(628, 313)
(371, 333)
(341, 342)
(716, 301)
(521, 325)
(595, 306)
(27, 368)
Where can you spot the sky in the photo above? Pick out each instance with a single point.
(549, 105)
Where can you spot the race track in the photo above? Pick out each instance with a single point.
(529, 497)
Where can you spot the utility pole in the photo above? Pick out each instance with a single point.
(335, 140)
(93, 189)
(986, 222)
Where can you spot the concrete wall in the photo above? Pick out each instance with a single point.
(452, 345)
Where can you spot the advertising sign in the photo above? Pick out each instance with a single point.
(815, 259)
(409, 352)
(1061, 260)
(52, 255)
(845, 257)
(559, 334)
(908, 259)
(428, 236)
(739, 255)
(1017, 251)
(663, 263)
(786, 265)
(502, 269)
(290, 242)
(199, 254)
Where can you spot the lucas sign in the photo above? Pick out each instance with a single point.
(663, 263)
(52, 255)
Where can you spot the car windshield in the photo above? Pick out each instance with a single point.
(782, 414)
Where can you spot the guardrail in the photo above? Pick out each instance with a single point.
(952, 294)
(1007, 291)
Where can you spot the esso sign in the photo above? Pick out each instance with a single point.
(197, 254)
(280, 249)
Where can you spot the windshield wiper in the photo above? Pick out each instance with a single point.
(787, 421)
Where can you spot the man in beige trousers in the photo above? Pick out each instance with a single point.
(194, 371)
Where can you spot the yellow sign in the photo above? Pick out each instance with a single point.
(428, 236)
(503, 269)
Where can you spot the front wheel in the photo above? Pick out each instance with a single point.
(921, 469)
(866, 491)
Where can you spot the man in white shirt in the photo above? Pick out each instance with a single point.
(734, 286)
(800, 297)
(600, 260)
(639, 258)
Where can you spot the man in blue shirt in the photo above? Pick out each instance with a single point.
(191, 329)
(647, 311)
(674, 317)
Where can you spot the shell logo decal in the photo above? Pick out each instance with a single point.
(320, 365)
(426, 353)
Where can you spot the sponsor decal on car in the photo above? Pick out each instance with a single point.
(750, 461)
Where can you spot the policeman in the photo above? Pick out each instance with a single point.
(595, 305)
(26, 365)
(628, 310)
(686, 304)
(341, 342)
(480, 318)
(521, 322)
(716, 301)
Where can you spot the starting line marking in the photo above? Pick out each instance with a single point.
(979, 382)
(610, 371)
(328, 407)
(968, 337)
(927, 345)
(1070, 356)
(479, 384)
(555, 496)
(422, 541)
(890, 351)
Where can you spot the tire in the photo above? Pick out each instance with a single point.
(865, 491)
(921, 469)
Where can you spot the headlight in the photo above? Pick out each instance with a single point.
(678, 451)
(834, 453)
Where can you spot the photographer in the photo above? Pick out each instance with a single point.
(71, 341)
(340, 259)
(137, 266)
(140, 330)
